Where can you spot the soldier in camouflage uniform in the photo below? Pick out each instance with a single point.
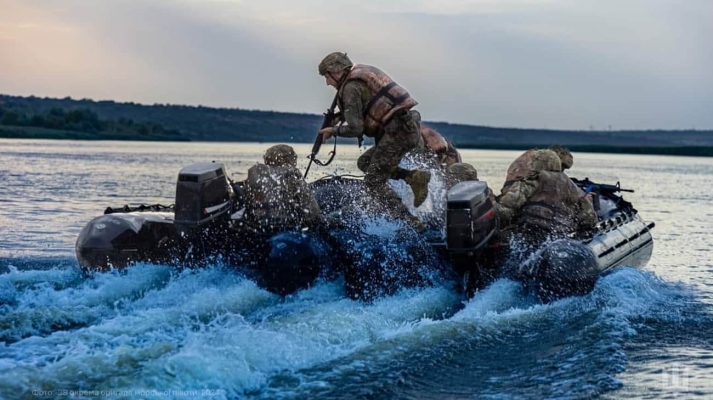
(567, 161)
(460, 172)
(278, 199)
(525, 164)
(439, 148)
(372, 104)
(545, 202)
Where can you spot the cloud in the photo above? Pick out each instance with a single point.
(629, 64)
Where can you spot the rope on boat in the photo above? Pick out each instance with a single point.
(143, 207)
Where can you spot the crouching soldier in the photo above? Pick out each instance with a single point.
(460, 172)
(281, 216)
(545, 202)
(278, 199)
(440, 149)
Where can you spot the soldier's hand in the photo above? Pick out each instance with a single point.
(590, 197)
(326, 133)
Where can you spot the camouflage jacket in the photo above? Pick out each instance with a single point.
(279, 199)
(548, 199)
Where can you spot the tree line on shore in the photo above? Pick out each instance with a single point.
(59, 122)
(67, 118)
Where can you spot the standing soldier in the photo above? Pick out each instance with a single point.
(372, 104)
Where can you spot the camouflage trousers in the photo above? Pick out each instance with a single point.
(380, 163)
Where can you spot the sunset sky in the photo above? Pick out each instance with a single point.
(628, 64)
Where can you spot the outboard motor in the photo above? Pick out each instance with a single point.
(471, 224)
(470, 218)
(203, 195)
(204, 199)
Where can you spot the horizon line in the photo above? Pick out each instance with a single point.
(691, 129)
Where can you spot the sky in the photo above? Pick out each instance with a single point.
(560, 64)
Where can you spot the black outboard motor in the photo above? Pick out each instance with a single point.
(470, 218)
(204, 199)
(203, 194)
(471, 226)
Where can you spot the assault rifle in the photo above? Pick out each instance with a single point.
(327, 122)
(591, 187)
(598, 188)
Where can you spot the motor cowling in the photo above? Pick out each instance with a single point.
(470, 217)
(203, 195)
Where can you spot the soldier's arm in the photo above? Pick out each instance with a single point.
(514, 197)
(587, 216)
(306, 201)
(353, 119)
(587, 196)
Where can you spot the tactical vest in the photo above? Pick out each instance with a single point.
(271, 205)
(554, 206)
(387, 99)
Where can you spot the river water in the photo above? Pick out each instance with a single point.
(152, 332)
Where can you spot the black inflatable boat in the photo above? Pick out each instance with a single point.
(204, 225)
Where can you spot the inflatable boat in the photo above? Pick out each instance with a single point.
(204, 225)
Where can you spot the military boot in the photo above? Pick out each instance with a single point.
(418, 180)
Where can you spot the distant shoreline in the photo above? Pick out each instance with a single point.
(60, 119)
(692, 151)
(50, 134)
(19, 132)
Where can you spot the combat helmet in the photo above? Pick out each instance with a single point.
(564, 155)
(280, 155)
(546, 160)
(463, 172)
(334, 62)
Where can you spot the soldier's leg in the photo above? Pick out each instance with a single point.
(364, 160)
(385, 160)
(406, 128)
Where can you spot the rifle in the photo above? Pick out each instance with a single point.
(598, 188)
(589, 187)
(327, 122)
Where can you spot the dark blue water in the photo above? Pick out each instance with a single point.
(152, 332)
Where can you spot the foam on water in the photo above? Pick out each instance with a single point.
(151, 327)
(569, 348)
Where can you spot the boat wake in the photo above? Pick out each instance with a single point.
(153, 327)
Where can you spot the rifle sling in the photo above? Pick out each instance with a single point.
(331, 155)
